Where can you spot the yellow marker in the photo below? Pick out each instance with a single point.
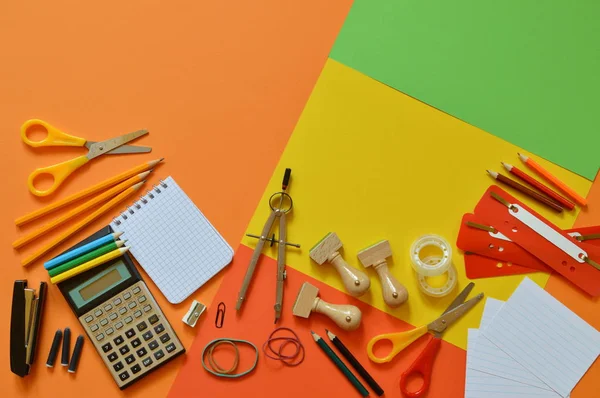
(89, 265)
(107, 206)
(86, 192)
(87, 205)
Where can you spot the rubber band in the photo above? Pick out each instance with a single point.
(277, 354)
(215, 368)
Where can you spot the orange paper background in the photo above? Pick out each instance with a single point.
(220, 85)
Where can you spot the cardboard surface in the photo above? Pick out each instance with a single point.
(370, 163)
(212, 83)
(316, 376)
(524, 72)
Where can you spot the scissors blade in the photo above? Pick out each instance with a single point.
(442, 323)
(123, 149)
(462, 296)
(102, 147)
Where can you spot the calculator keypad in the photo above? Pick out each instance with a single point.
(141, 338)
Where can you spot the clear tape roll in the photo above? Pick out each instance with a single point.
(433, 265)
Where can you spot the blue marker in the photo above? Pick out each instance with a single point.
(63, 258)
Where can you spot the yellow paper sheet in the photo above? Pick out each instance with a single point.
(371, 163)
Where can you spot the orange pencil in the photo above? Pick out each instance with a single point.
(86, 192)
(553, 180)
(107, 206)
(87, 205)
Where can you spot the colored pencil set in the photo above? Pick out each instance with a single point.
(540, 192)
(107, 194)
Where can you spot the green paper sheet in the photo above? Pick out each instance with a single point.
(526, 71)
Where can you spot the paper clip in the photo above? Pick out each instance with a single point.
(220, 318)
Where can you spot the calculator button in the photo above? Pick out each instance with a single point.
(147, 336)
(124, 376)
(147, 308)
(159, 354)
(118, 340)
(153, 319)
(119, 325)
(147, 361)
(98, 313)
(153, 345)
(165, 337)
(106, 347)
(127, 296)
(136, 343)
(112, 356)
(159, 329)
(129, 359)
(104, 322)
(124, 350)
(107, 307)
(142, 299)
(89, 318)
(136, 290)
(137, 314)
(130, 333)
(113, 316)
(118, 366)
(128, 319)
(117, 301)
(141, 326)
(109, 331)
(100, 337)
(141, 352)
(122, 310)
(94, 327)
(133, 304)
(136, 368)
(170, 347)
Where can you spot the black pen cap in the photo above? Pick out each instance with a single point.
(54, 349)
(76, 354)
(64, 359)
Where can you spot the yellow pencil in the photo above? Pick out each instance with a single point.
(105, 207)
(86, 192)
(89, 265)
(89, 204)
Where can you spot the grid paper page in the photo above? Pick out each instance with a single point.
(486, 357)
(483, 385)
(544, 336)
(173, 241)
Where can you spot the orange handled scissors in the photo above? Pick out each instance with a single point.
(424, 362)
(59, 172)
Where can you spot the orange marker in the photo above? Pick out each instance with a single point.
(555, 181)
(65, 235)
(86, 192)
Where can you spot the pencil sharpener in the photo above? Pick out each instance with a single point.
(193, 314)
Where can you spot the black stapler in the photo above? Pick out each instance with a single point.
(27, 308)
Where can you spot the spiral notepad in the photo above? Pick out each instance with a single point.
(173, 241)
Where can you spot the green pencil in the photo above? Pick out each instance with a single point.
(86, 257)
(341, 366)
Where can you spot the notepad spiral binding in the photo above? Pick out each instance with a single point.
(144, 199)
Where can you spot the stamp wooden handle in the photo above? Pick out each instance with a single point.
(394, 293)
(345, 316)
(355, 281)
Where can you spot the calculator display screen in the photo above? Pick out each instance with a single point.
(100, 283)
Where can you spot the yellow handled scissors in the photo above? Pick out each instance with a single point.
(424, 363)
(59, 172)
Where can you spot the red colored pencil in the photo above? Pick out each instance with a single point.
(523, 189)
(536, 184)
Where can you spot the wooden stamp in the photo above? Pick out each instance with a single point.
(326, 250)
(346, 317)
(394, 293)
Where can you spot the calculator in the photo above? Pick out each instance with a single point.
(121, 318)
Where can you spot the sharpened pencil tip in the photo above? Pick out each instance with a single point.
(507, 166)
